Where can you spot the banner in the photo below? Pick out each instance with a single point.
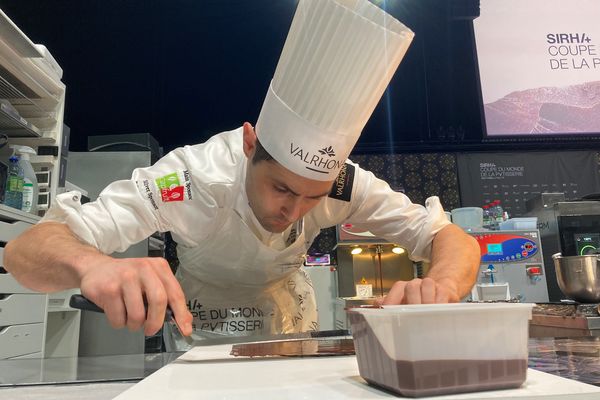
(514, 178)
(539, 63)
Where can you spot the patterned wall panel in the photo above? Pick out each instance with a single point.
(419, 176)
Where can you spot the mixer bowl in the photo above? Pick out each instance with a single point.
(579, 277)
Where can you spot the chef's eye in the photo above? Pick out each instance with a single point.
(280, 189)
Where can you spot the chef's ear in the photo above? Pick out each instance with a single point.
(249, 140)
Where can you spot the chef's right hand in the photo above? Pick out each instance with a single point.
(121, 285)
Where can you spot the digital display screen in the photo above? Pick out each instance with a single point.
(322, 259)
(539, 60)
(587, 237)
(587, 243)
(494, 248)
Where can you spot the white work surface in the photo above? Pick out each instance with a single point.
(211, 373)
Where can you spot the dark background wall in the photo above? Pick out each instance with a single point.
(183, 70)
(419, 176)
(186, 69)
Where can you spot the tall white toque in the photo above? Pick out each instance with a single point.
(338, 58)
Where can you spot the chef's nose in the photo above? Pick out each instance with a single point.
(292, 208)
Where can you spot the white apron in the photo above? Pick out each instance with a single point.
(237, 286)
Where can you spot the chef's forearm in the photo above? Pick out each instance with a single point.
(48, 258)
(454, 259)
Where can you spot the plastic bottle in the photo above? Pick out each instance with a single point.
(486, 216)
(30, 183)
(492, 213)
(13, 195)
(499, 213)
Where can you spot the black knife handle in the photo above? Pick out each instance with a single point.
(81, 302)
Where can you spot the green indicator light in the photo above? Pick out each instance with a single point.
(581, 252)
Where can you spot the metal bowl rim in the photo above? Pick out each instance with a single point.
(558, 256)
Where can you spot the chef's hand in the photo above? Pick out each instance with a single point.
(120, 285)
(421, 291)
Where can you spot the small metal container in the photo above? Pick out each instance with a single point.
(579, 277)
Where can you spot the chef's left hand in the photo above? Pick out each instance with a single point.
(421, 291)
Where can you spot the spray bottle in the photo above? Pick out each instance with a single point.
(13, 196)
(30, 184)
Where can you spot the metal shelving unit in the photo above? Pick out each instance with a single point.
(31, 105)
(9, 213)
(31, 114)
(19, 40)
(25, 123)
(16, 126)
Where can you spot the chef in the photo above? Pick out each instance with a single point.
(245, 206)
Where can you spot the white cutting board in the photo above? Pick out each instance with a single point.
(210, 373)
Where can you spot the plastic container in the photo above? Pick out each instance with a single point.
(468, 217)
(519, 224)
(432, 349)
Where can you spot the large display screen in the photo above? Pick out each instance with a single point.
(539, 63)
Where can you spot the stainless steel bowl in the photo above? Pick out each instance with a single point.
(579, 277)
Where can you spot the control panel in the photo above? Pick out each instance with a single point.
(512, 266)
(503, 247)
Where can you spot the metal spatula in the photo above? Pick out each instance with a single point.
(82, 303)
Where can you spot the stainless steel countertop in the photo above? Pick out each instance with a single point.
(573, 358)
(76, 370)
(86, 391)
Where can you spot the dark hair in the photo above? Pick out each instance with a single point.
(260, 154)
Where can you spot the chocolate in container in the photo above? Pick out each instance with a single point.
(432, 349)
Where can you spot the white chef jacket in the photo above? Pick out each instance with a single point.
(227, 260)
